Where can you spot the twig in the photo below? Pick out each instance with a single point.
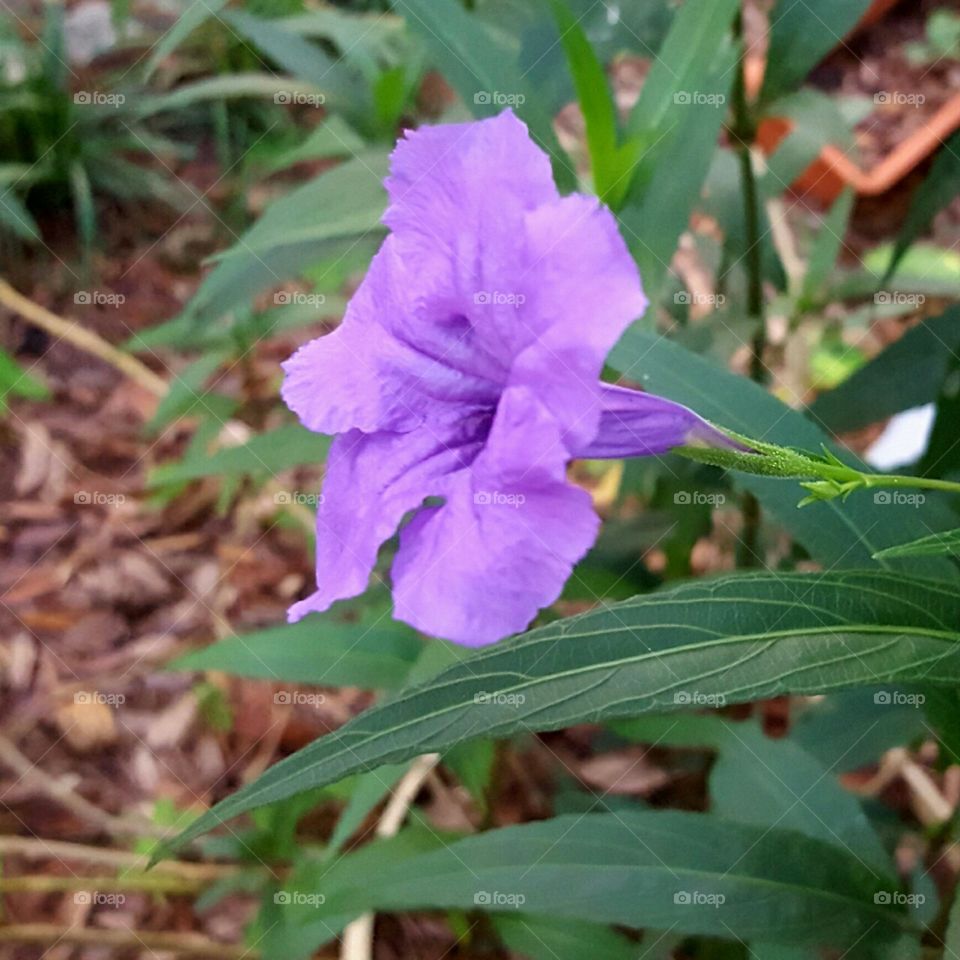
(142, 882)
(83, 339)
(69, 798)
(358, 935)
(184, 944)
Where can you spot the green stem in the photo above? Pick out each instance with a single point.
(824, 477)
(743, 133)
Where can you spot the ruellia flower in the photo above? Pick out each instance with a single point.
(463, 380)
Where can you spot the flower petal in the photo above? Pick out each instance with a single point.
(372, 480)
(506, 539)
(381, 369)
(637, 424)
(445, 180)
(585, 291)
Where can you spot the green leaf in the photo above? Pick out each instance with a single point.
(482, 70)
(952, 941)
(17, 382)
(194, 16)
(218, 89)
(826, 247)
(556, 938)
(667, 186)
(836, 533)
(938, 189)
(333, 138)
(267, 453)
(935, 545)
(375, 653)
(472, 764)
(186, 390)
(801, 35)
(368, 790)
(683, 65)
(850, 730)
(366, 40)
(742, 638)
(770, 782)
(301, 58)
(693, 873)
(340, 205)
(907, 374)
(16, 218)
(611, 163)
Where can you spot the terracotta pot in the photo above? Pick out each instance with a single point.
(833, 170)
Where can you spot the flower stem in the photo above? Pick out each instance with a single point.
(825, 477)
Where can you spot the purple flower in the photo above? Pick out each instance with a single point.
(466, 371)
